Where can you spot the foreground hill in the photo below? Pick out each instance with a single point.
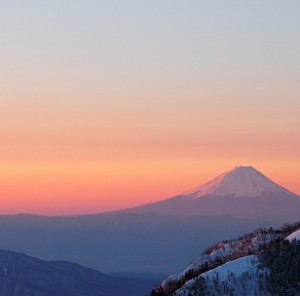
(265, 262)
(22, 275)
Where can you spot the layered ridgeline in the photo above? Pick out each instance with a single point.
(149, 238)
(22, 275)
(264, 262)
(241, 192)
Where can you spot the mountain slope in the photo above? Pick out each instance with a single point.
(241, 192)
(22, 275)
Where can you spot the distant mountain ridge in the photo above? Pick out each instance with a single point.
(22, 275)
(241, 192)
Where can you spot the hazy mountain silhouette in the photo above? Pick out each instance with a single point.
(22, 275)
(119, 242)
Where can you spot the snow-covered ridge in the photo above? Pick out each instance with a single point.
(238, 277)
(227, 251)
(220, 260)
(239, 182)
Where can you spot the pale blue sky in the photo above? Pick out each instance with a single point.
(151, 44)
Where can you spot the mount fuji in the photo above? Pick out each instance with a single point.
(241, 182)
(241, 192)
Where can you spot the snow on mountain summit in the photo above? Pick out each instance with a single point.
(242, 181)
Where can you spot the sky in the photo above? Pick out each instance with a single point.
(109, 104)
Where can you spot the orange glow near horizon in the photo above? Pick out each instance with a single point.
(78, 188)
(56, 159)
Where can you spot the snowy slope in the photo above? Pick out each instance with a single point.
(238, 267)
(239, 277)
(294, 235)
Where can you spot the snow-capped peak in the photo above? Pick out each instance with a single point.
(242, 181)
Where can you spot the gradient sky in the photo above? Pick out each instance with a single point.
(109, 104)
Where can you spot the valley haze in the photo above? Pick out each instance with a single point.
(150, 237)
